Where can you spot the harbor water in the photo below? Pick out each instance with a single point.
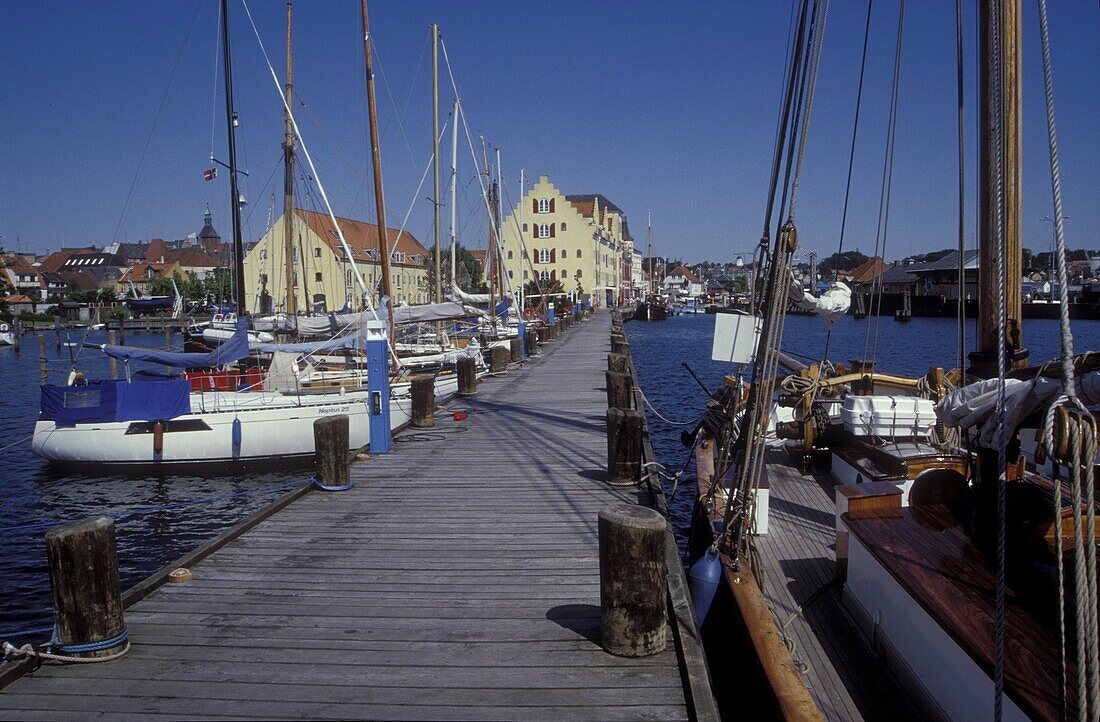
(158, 517)
(660, 348)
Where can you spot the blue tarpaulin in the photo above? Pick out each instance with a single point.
(234, 349)
(104, 401)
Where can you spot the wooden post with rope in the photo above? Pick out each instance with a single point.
(633, 578)
(43, 369)
(516, 348)
(620, 390)
(466, 368)
(331, 441)
(87, 599)
(618, 363)
(624, 446)
(423, 401)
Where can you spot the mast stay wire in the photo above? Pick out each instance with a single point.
(399, 116)
(959, 68)
(156, 120)
(851, 164)
(1068, 396)
(885, 191)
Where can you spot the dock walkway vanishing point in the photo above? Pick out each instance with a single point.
(459, 579)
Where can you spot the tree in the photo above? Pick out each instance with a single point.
(543, 288)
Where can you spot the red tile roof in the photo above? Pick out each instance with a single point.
(361, 237)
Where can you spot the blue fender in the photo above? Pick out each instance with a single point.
(703, 578)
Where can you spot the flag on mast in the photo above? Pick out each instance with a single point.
(210, 174)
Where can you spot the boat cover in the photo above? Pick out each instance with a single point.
(335, 323)
(235, 348)
(973, 407)
(102, 401)
(830, 306)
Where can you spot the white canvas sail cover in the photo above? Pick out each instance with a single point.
(974, 407)
(832, 304)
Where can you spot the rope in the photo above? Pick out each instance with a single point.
(1088, 665)
(57, 652)
(663, 418)
(821, 14)
(317, 484)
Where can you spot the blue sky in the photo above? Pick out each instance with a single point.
(661, 106)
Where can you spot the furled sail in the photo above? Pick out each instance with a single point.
(832, 304)
(234, 349)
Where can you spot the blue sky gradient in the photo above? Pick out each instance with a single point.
(663, 107)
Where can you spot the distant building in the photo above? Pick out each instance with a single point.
(682, 282)
(24, 278)
(322, 275)
(576, 239)
(140, 275)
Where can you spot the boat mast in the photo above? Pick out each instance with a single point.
(376, 158)
(522, 245)
(649, 251)
(501, 271)
(489, 251)
(984, 361)
(435, 162)
(454, 194)
(288, 180)
(235, 197)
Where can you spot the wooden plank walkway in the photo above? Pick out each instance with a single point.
(459, 579)
(848, 680)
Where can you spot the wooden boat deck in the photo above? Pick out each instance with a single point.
(847, 679)
(459, 579)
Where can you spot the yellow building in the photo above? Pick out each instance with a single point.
(576, 239)
(322, 276)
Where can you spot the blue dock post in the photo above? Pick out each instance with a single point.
(378, 384)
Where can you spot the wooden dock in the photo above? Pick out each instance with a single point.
(459, 579)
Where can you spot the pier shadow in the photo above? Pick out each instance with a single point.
(803, 512)
(581, 619)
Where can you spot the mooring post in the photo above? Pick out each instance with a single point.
(423, 401)
(618, 363)
(516, 347)
(532, 342)
(17, 331)
(167, 337)
(42, 367)
(122, 331)
(112, 362)
(57, 330)
(633, 579)
(620, 389)
(331, 442)
(87, 600)
(499, 359)
(543, 335)
(624, 446)
(620, 347)
(467, 376)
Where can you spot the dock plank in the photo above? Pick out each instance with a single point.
(459, 578)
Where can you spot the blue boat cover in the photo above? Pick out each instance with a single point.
(153, 302)
(234, 349)
(502, 307)
(102, 401)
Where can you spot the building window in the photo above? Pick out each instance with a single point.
(578, 253)
(263, 253)
(316, 251)
(524, 227)
(544, 275)
(544, 205)
(563, 226)
(295, 255)
(564, 252)
(544, 255)
(579, 274)
(509, 274)
(564, 273)
(525, 275)
(263, 279)
(509, 255)
(295, 279)
(544, 230)
(348, 275)
(317, 277)
(399, 280)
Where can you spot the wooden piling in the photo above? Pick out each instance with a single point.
(620, 389)
(516, 347)
(57, 331)
(498, 359)
(624, 446)
(17, 331)
(423, 401)
(122, 331)
(618, 363)
(620, 347)
(111, 360)
(167, 337)
(633, 579)
(87, 600)
(42, 367)
(331, 441)
(467, 376)
(531, 339)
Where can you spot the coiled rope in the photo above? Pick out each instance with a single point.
(54, 651)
